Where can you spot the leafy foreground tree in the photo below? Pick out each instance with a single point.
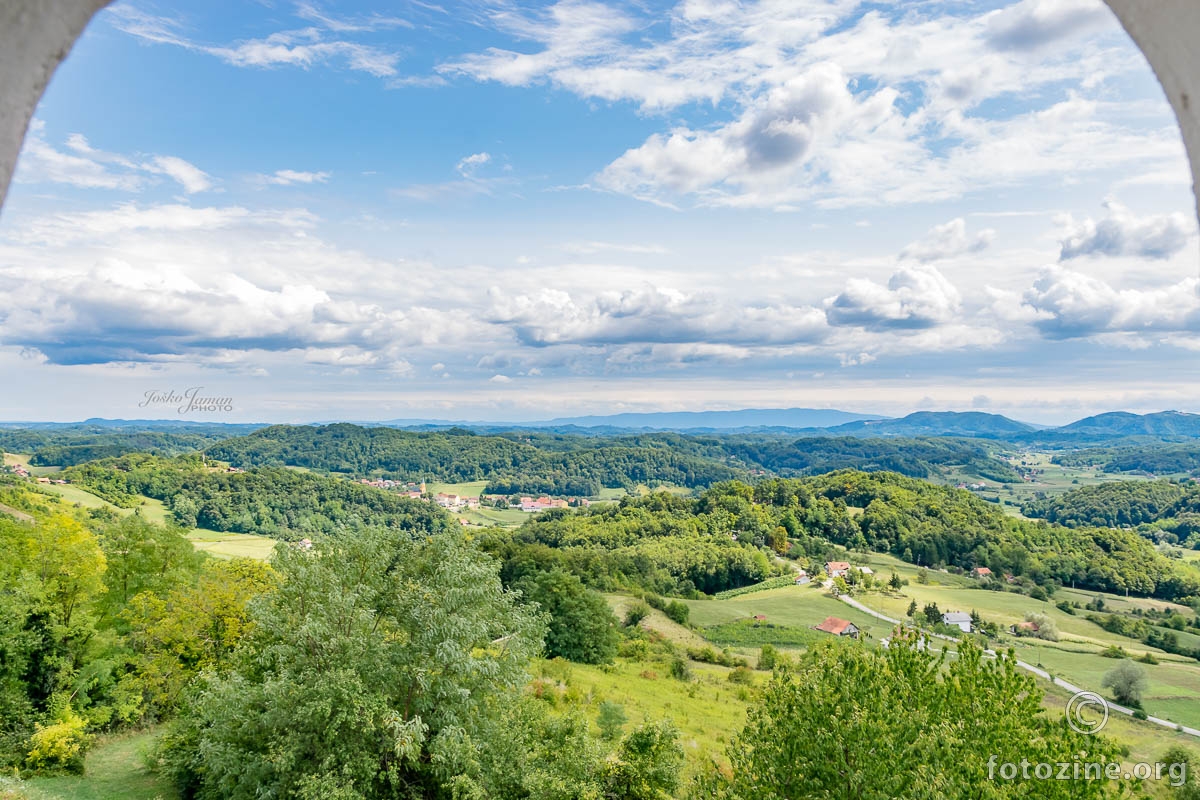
(582, 627)
(387, 666)
(876, 725)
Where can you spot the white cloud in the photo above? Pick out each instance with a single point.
(467, 166)
(947, 241)
(1067, 304)
(915, 297)
(189, 176)
(817, 101)
(289, 177)
(305, 47)
(1120, 233)
(89, 168)
(1032, 24)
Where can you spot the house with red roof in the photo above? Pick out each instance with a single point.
(838, 627)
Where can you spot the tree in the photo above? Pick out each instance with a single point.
(611, 719)
(912, 609)
(142, 556)
(677, 611)
(378, 668)
(894, 582)
(1127, 682)
(582, 627)
(940, 724)
(1047, 628)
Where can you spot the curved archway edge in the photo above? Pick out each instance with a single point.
(36, 35)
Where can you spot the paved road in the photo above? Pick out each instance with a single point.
(1041, 673)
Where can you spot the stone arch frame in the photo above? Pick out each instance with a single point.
(36, 35)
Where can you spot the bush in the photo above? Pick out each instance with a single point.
(611, 719)
(743, 675)
(1147, 658)
(59, 746)
(636, 613)
(768, 657)
(680, 670)
(1114, 651)
(677, 611)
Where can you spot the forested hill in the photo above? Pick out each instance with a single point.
(525, 461)
(70, 445)
(1114, 504)
(272, 501)
(715, 542)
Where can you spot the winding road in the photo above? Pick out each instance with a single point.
(1041, 673)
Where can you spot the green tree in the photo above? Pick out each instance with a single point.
(1128, 683)
(611, 719)
(379, 667)
(821, 731)
(582, 627)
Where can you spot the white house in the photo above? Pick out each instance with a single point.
(802, 578)
(959, 619)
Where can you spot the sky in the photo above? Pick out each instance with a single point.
(514, 211)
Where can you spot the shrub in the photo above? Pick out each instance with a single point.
(611, 719)
(768, 657)
(680, 670)
(637, 612)
(677, 611)
(743, 675)
(59, 746)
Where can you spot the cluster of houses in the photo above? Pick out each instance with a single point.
(974, 487)
(22, 471)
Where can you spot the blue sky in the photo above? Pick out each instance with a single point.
(506, 211)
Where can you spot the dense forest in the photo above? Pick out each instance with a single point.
(65, 448)
(1152, 458)
(528, 462)
(715, 542)
(272, 501)
(1116, 504)
(1162, 511)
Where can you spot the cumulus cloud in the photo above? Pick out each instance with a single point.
(1067, 304)
(147, 284)
(1031, 24)
(829, 101)
(1121, 233)
(915, 297)
(650, 315)
(947, 241)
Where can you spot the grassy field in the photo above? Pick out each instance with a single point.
(114, 771)
(12, 459)
(708, 711)
(232, 545)
(73, 494)
(468, 489)
(1054, 479)
(1174, 683)
(792, 607)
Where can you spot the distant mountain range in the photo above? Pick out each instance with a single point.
(973, 424)
(801, 422)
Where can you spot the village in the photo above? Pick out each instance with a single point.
(458, 502)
